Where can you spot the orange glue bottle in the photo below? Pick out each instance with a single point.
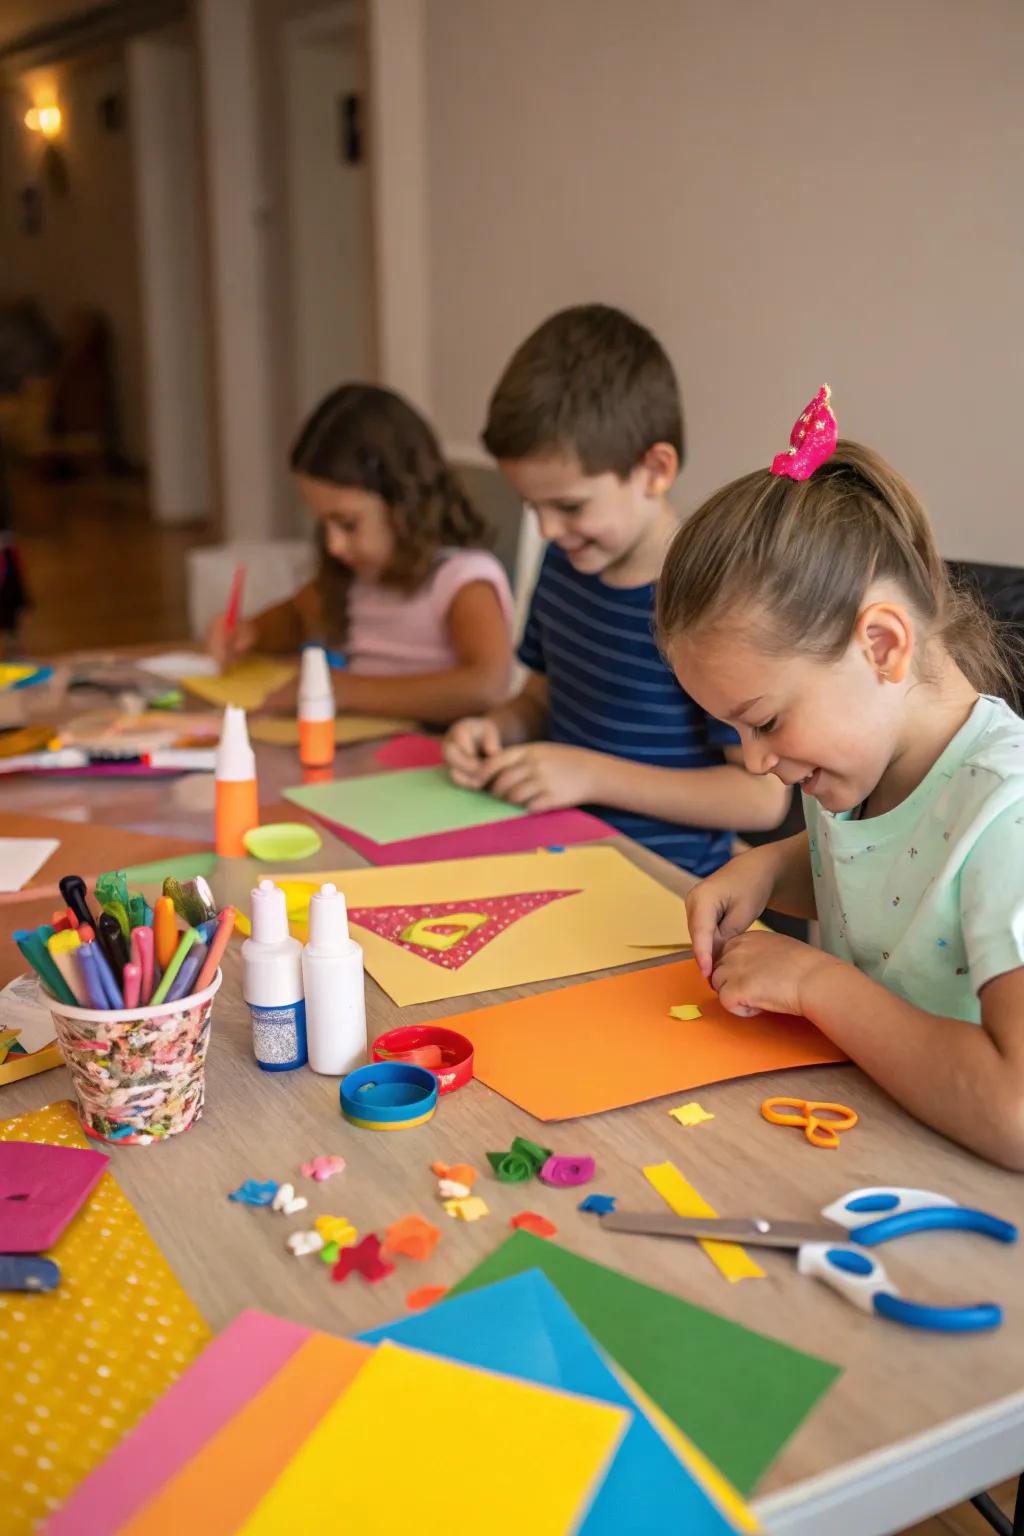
(236, 804)
(317, 709)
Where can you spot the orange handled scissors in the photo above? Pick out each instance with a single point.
(821, 1123)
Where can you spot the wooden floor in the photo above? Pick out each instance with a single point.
(965, 1520)
(98, 570)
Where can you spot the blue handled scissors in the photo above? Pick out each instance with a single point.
(867, 1217)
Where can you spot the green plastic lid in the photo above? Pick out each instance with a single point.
(282, 841)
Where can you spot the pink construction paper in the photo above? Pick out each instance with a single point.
(410, 752)
(41, 1188)
(232, 1369)
(523, 834)
(100, 771)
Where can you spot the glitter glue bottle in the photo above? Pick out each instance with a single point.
(332, 975)
(272, 983)
(317, 709)
(236, 803)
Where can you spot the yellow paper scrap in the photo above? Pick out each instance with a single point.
(530, 1458)
(282, 731)
(679, 1195)
(690, 1114)
(686, 1012)
(248, 683)
(468, 1208)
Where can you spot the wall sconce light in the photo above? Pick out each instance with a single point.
(44, 120)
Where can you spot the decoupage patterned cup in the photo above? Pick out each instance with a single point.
(138, 1073)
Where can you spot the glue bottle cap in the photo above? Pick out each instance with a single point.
(328, 919)
(236, 761)
(269, 914)
(315, 676)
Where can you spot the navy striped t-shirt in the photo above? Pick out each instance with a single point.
(610, 690)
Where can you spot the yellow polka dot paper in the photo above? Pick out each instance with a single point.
(80, 1365)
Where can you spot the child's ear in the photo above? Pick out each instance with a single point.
(886, 637)
(661, 466)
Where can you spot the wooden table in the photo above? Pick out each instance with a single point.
(915, 1423)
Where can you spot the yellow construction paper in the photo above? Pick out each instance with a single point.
(678, 1193)
(282, 731)
(596, 928)
(690, 1114)
(15, 1066)
(248, 683)
(529, 1458)
(80, 1365)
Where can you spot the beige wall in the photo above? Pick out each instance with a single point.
(786, 194)
(85, 253)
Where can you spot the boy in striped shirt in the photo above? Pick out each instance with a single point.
(586, 424)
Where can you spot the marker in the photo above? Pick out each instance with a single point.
(108, 982)
(165, 931)
(132, 982)
(59, 922)
(183, 984)
(92, 983)
(32, 944)
(112, 941)
(142, 956)
(188, 938)
(86, 932)
(218, 944)
(72, 888)
(62, 946)
(72, 919)
(234, 602)
(185, 759)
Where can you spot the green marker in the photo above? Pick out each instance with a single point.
(32, 943)
(188, 938)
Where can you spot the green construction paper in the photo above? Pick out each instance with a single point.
(389, 807)
(185, 867)
(738, 1394)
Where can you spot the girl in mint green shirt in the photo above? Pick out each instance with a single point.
(808, 606)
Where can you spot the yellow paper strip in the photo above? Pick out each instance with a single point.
(283, 731)
(678, 1193)
(247, 683)
(530, 1458)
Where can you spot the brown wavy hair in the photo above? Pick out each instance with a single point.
(798, 557)
(372, 439)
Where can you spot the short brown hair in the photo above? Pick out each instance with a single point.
(805, 552)
(591, 381)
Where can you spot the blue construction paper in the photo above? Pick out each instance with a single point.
(522, 1327)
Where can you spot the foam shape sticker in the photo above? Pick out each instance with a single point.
(336, 1229)
(413, 1236)
(599, 1045)
(364, 1259)
(732, 1376)
(599, 1205)
(461, 1172)
(471, 1209)
(730, 1259)
(532, 1221)
(322, 1168)
(567, 1172)
(690, 1114)
(686, 1012)
(553, 934)
(531, 1456)
(522, 1327)
(252, 1192)
(42, 1188)
(143, 1332)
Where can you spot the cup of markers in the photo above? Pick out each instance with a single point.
(131, 1007)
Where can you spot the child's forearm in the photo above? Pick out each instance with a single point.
(436, 698)
(524, 717)
(950, 1074)
(792, 883)
(722, 796)
(287, 626)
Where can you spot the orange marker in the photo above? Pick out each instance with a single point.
(165, 931)
(237, 806)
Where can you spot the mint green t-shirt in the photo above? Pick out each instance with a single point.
(928, 899)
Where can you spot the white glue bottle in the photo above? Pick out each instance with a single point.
(272, 983)
(332, 973)
(317, 709)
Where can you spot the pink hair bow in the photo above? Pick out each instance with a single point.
(812, 440)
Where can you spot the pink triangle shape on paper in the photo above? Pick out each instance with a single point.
(500, 913)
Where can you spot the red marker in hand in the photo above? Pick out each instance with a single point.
(234, 602)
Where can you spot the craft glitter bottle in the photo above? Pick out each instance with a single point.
(317, 709)
(272, 983)
(332, 976)
(236, 802)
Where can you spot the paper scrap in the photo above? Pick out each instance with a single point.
(470, 1208)
(679, 1195)
(412, 751)
(23, 857)
(248, 683)
(690, 1114)
(686, 1012)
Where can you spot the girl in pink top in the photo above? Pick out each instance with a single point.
(421, 610)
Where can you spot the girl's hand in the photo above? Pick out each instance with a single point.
(470, 748)
(724, 905)
(543, 776)
(226, 648)
(766, 972)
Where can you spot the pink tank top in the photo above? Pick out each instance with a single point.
(393, 634)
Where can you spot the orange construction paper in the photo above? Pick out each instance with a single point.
(604, 1044)
(222, 1485)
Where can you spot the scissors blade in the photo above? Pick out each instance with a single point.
(757, 1231)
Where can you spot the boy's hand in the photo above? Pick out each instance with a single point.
(470, 750)
(723, 906)
(766, 972)
(543, 776)
(226, 648)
